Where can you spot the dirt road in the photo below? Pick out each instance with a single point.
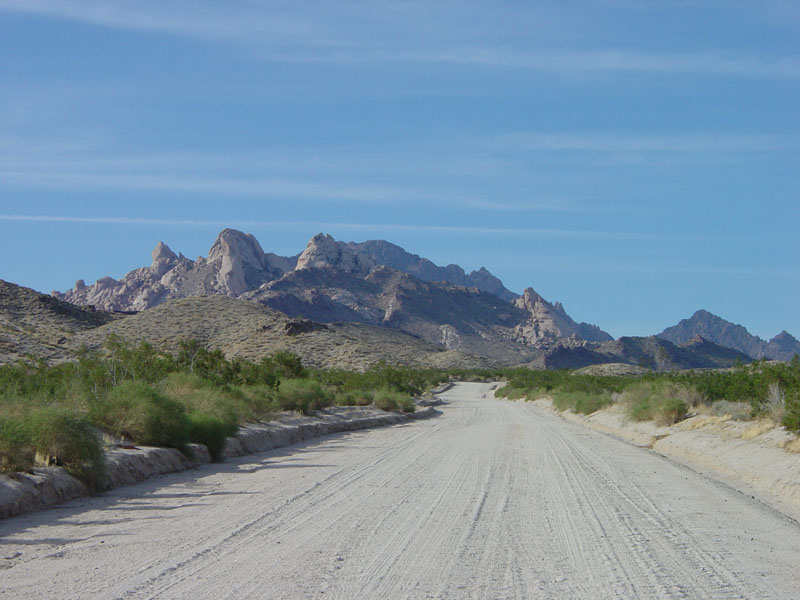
(492, 499)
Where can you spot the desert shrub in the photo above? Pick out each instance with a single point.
(581, 402)
(791, 418)
(514, 393)
(671, 410)
(136, 411)
(755, 384)
(775, 402)
(532, 384)
(288, 365)
(382, 375)
(303, 395)
(70, 441)
(198, 395)
(661, 400)
(142, 362)
(211, 431)
(738, 411)
(355, 398)
(262, 373)
(258, 400)
(388, 399)
(16, 448)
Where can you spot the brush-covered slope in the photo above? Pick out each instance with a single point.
(245, 329)
(37, 324)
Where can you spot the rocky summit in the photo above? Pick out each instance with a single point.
(373, 282)
(716, 329)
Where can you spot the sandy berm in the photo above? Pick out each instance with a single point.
(492, 499)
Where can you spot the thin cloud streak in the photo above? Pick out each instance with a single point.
(686, 143)
(430, 229)
(266, 32)
(585, 62)
(203, 185)
(271, 188)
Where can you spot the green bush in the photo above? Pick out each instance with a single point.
(662, 401)
(671, 411)
(303, 395)
(791, 419)
(198, 395)
(138, 412)
(738, 411)
(515, 393)
(388, 399)
(210, 431)
(581, 402)
(355, 398)
(16, 447)
(64, 439)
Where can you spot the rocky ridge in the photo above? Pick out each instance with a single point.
(711, 327)
(650, 352)
(373, 282)
(546, 323)
(390, 255)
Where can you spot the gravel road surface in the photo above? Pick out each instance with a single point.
(492, 499)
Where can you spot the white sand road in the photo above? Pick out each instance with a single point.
(491, 499)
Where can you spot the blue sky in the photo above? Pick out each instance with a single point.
(636, 160)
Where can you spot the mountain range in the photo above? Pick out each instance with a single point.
(378, 290)
(705, 324)
(374, 282)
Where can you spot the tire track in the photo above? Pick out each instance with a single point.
(493, 499)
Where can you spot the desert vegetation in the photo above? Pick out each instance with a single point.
(760, 389)
(64, 413)
(60, 414)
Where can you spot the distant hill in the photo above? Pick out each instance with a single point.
(648, 352)
(248, 330)
(703, 323)
(37, 324)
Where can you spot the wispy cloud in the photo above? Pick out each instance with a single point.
(682, 143)
(338, 225)
(546, 205)
(280, 33)
(199, 184)
(233, 21)
(590, 62)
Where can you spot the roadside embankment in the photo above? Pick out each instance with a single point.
(47, 486)
(740, 452)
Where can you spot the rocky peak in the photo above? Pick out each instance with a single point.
(547, 322)
(783, 337)
(529, 300)
(237, 245)
(163, 252)
(242, 263)
(323, 251)
(783, 346)
(485, 281)
(163, 258)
